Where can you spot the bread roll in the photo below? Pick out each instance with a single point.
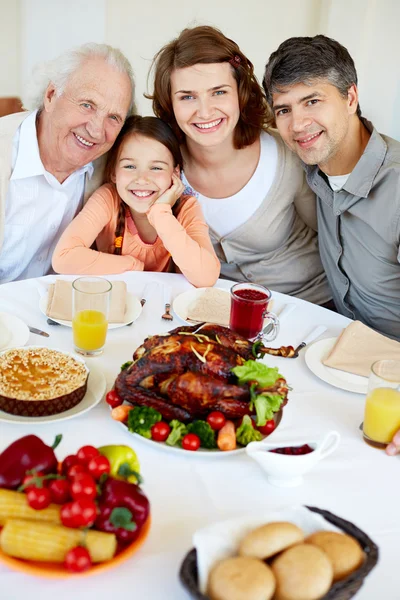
(241, 578)
(344, 552)
(267, 540)
(303, 572)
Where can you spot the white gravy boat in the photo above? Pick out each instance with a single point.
(287, 470)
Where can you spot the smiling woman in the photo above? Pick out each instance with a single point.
(251, 188)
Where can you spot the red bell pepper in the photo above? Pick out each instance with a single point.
(28, 453)
(123, 510)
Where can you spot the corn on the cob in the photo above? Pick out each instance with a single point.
(50, 543)
(14, 505)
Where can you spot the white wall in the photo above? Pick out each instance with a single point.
(36, 30)
(9, 48)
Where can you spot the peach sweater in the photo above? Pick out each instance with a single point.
(184, 238)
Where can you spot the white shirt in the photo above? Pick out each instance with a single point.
(337, 181)
(224, 215)
(38, 208)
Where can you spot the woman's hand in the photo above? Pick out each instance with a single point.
(394, 446)
(172, 194)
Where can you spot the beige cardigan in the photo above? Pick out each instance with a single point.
(8, 128)
(278, 246)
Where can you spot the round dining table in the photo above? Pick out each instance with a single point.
(188, 490)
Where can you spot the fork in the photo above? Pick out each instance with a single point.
(167, 300)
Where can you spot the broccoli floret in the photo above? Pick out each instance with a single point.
(246, 432)
(205, 433)
(178, 430)
(141, 419)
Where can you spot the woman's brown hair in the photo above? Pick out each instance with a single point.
(154, 129)
(207, 45)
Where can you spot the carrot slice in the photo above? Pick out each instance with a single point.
(227, 437)
(120, 413)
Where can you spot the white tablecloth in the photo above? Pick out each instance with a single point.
(357, 482)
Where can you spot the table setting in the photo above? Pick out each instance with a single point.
(313, 377)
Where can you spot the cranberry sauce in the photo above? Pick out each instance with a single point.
(247, 312)
(294, 450)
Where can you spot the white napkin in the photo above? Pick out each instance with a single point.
(221, 540)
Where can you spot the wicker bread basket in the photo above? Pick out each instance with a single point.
(342, 590)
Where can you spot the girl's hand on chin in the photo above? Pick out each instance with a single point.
(172, 194)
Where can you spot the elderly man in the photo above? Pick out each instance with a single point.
(311, 84)
(47, 156)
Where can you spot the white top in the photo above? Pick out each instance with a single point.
(241, 206)
(337, 181)
(224, 487)
(38, 208)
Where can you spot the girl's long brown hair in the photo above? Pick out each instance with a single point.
(154, 129)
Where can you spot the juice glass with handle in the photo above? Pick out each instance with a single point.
(249, 309)
(90, 307)
(382, 406)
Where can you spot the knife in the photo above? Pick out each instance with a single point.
(38, 331)
(311, 337)
(146, 293)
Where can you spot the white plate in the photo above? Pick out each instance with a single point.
(314, 356)
(13, 331)
(95, 391)
(183, 301)
(133, 310)
(201, 452)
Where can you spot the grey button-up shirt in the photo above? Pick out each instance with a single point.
(359, 235)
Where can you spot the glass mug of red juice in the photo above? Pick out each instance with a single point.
(249, 309)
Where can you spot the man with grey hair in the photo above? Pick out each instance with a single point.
(47, 155)
(311, 85)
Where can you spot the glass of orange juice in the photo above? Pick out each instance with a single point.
(382, 406)
(90, 306)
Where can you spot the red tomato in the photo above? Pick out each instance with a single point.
(80, 513)
(68, 462)
(86, 453)
(39, 498)
(29, 478)
(59, 491)
(160, 431)
(76, 469)
(191, 441)
(98, 466)
(113, 399)
(83, 512)
(267, 428)
(83, 486)
(216, 420)
(77, 560)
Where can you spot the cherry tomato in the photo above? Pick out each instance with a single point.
(160, 431)
(59, 491)
(191, 441)
(267, 428)
(68, 462)
(98, 466)
(86, 453)
(77, 560)
(39, 498)
(76, 469)
(113, 399)
(83, 486)
(29, 478)
(216, 420)
(80, 513)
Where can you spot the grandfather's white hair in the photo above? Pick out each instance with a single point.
(60, 69)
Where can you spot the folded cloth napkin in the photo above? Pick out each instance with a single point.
(59, 300)
(212, 306)
(358, 347)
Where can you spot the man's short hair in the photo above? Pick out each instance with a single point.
(306, 59)
(59, 70)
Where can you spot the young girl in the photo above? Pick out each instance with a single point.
(139, 218)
